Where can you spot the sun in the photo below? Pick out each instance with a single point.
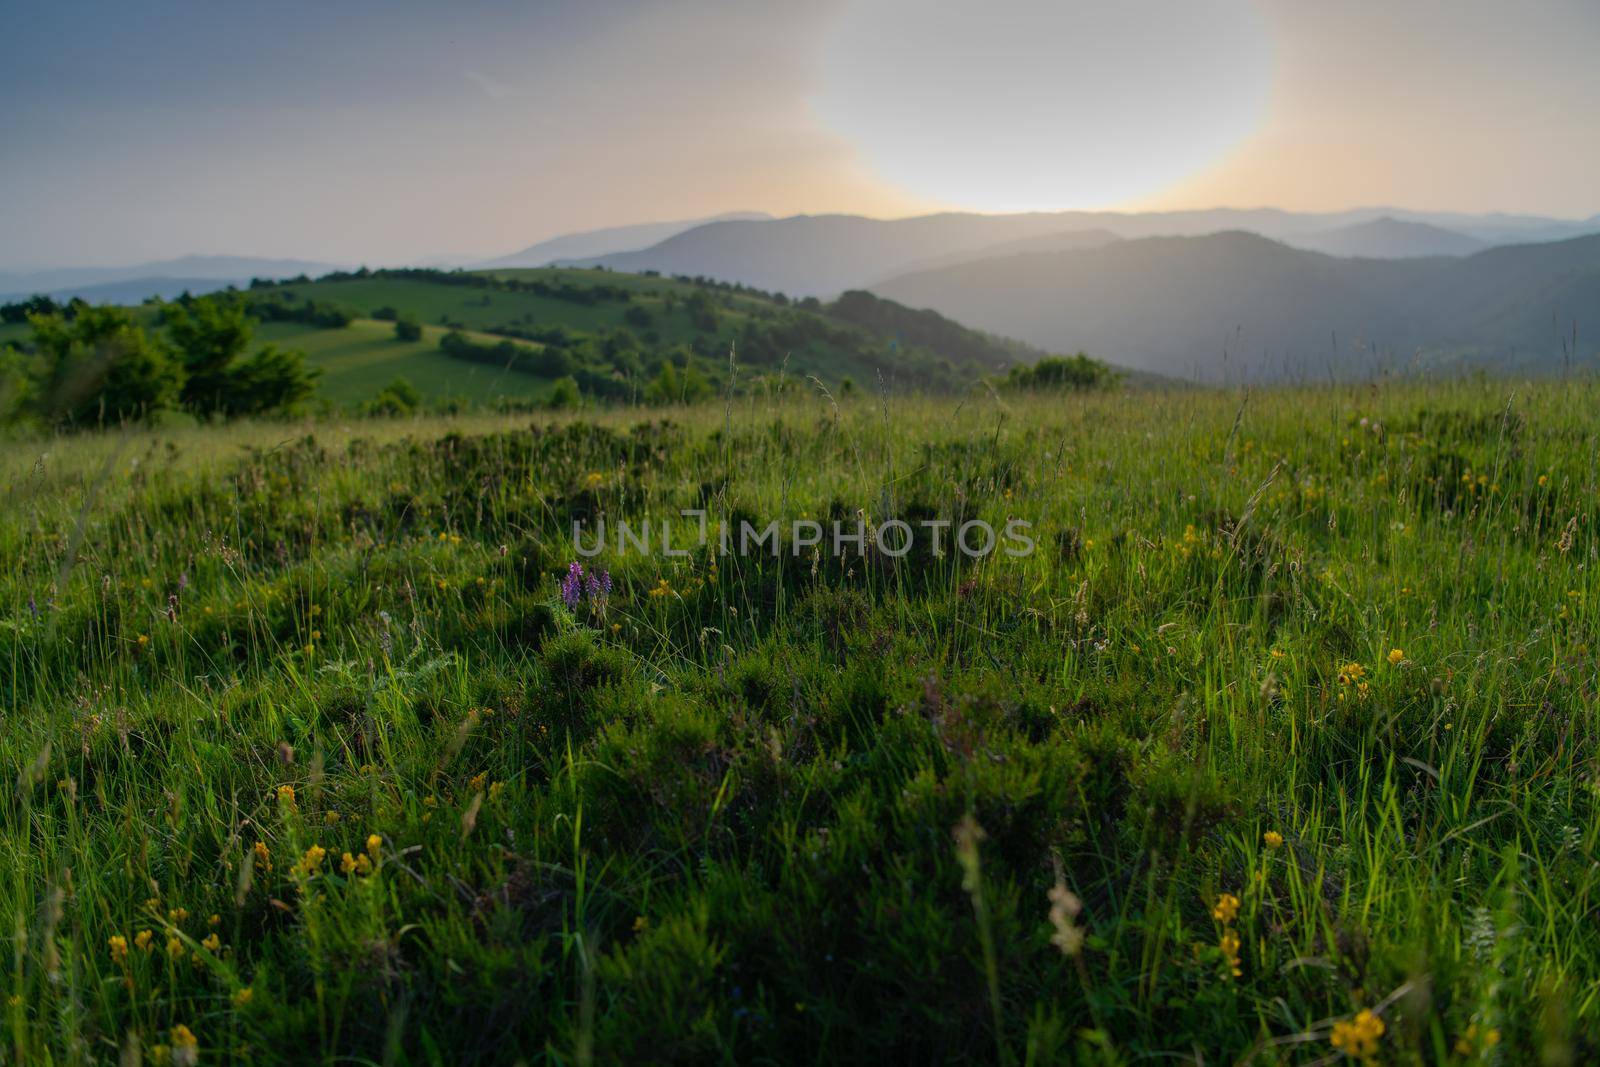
(1012, 105)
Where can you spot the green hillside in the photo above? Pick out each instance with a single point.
(359, 359)
(613, 332)
(510, 336)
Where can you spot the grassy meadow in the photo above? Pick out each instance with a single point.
(1281, 747)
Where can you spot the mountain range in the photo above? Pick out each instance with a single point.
(1239, 306)
(822, 255)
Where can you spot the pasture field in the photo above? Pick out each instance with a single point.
(1283, 745)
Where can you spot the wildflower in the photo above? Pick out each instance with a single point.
(212, 943)
(144, 639)
(184, 1045)
(1358, 1037)
(177, 915)
(1351, 673)
(495, 789)
(242, 997)
(142, 940)
(119, 948)
(598, 585)
(374, 846)
(1229, 943)
(1467, 1043)
(311, 861)
(476, 782)
(572, 585)
(263, 856)
(1273, 839)
(594, 480)
(1064, 909)
(1227, 908)
(1396, 655)
(286, 798)
(347, 864)
(174, 945)
(215, 920)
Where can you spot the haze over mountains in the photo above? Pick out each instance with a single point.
(1240, 306)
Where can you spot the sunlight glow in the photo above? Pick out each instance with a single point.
(1018, 105)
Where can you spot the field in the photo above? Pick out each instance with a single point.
(1280, 746)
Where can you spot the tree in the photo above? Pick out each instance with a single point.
(209, 334)
(564, 395)
(399, 397)
(272, 380)
(100, 367)
(407, 328)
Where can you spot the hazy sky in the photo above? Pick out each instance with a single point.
(385, 132)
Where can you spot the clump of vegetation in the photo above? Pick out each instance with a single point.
(94, 366)
(333, 748)
(1055, 373)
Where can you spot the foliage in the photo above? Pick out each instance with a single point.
(407, 328)
(1057, 372)
(99, 367)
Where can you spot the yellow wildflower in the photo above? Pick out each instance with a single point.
(286, 797)
(374, 845)
(1396, 655)
(311, 861)
(347, 864)
(119, 947)
(1468, 1042)
(1358, 1037)
(183, 1037)
(1227, 908)
(1229, 943)
(142, 940)
(212, 943)
(1273, 839)
(263, 856)
(243, 997)
(477, 781)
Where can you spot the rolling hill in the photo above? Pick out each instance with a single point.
(1239, 306)
(509, 334)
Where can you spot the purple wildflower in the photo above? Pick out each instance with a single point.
(572, 585)
(599, 585)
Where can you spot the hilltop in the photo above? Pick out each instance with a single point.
(510, 335)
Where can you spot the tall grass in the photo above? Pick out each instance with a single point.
(1328, 652)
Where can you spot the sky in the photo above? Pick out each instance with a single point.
(367, 132)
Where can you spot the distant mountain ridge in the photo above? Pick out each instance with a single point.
(612, 239)
(1240, 306)
(123, 284)
(822, 255)
(1389, 238)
